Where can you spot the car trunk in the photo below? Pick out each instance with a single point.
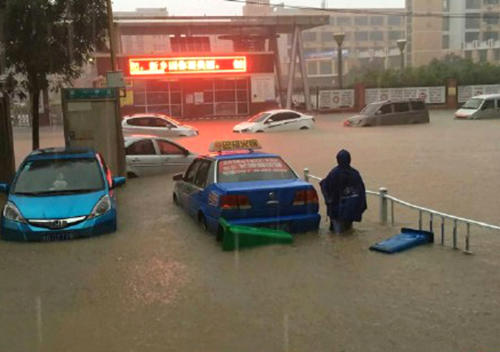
(268, 198)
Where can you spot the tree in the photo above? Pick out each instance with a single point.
(45, 38)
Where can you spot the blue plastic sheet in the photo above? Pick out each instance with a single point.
(408, 238)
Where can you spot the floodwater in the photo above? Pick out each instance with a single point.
(161, 284)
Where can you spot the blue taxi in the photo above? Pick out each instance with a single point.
(246, 187)
(59, 194)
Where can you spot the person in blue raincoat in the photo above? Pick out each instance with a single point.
(344, 193)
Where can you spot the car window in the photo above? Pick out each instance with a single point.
(386, 109)
(138, 121)
(60, 175)
(167, 148)
(254, 169)
(417, 105)
(291, 116)
(202, 174)
(401, 107)
(142, 147)
(191, 171)
(488, 104)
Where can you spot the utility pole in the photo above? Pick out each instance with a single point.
(111, 34)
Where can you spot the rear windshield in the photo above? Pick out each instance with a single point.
(58, 176)
(255, 169)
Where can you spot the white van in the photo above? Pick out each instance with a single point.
(480, 107)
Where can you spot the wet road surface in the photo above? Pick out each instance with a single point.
(162, 284)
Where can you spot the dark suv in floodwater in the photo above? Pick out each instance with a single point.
(390, 113)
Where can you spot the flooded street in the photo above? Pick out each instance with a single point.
(161, 284)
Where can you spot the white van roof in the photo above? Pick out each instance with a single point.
(487, 96)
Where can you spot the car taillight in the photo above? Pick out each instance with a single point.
(234, 202)
(307, 196)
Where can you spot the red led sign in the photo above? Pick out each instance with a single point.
(183, 65)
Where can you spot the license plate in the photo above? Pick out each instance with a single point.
(57, 236)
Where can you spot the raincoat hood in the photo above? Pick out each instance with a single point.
(344, 158)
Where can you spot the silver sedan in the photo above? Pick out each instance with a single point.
(148, 155)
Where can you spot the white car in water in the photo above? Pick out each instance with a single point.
(275, 120)
(149, 155)
(157, 125)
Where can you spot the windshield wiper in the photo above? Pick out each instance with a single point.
(59, 192)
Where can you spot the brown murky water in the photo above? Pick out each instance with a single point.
(161, 284)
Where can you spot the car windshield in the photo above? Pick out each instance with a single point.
(59, 176)
(472, 104)
(254, 169)
(259, 117)
(370, 109)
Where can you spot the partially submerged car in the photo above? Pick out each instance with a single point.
(246, 188)
(60, 194)
(390, 113)
(274, 121)
(150, 155)
(485, 106)
(156, 124)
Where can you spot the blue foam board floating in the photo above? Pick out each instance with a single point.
(408, 238)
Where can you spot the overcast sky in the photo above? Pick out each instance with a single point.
(222, 7)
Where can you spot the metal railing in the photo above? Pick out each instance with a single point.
(383, 215)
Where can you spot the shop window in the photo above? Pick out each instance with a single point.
(377, 35)
(491, 18)
(307, 36)
(395, 35)
(344, 21)
(325, 68)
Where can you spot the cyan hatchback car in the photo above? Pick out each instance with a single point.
(59, 194)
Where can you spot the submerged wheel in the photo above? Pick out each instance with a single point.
(304, 128)
(220, 234)
(203, 222)
(174, 198)
(130, 174)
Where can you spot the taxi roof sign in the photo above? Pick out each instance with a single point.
(232, 145)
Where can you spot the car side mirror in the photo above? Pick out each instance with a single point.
(186, 152)
(118, 181)
(178, 177)
(4, 188)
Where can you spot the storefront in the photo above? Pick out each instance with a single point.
(199, 68)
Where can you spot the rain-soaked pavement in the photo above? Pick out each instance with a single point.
(161, 284)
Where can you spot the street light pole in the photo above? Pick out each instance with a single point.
(111, 35)
(401, 46)
(339, 38)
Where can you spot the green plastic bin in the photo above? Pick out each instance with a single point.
(238, 237)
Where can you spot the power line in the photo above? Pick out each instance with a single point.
(443, 15)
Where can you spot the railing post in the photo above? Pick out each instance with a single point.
(306, 174)
(431, 225)
(467, 241)
(420, 219)
(442, 230)
(383, 205)
(392, 212)
(455, 234)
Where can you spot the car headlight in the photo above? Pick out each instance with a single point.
(10, 212)
(101, 207)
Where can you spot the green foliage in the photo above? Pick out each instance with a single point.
(434, 74)
(50, 38)
(44, 37)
